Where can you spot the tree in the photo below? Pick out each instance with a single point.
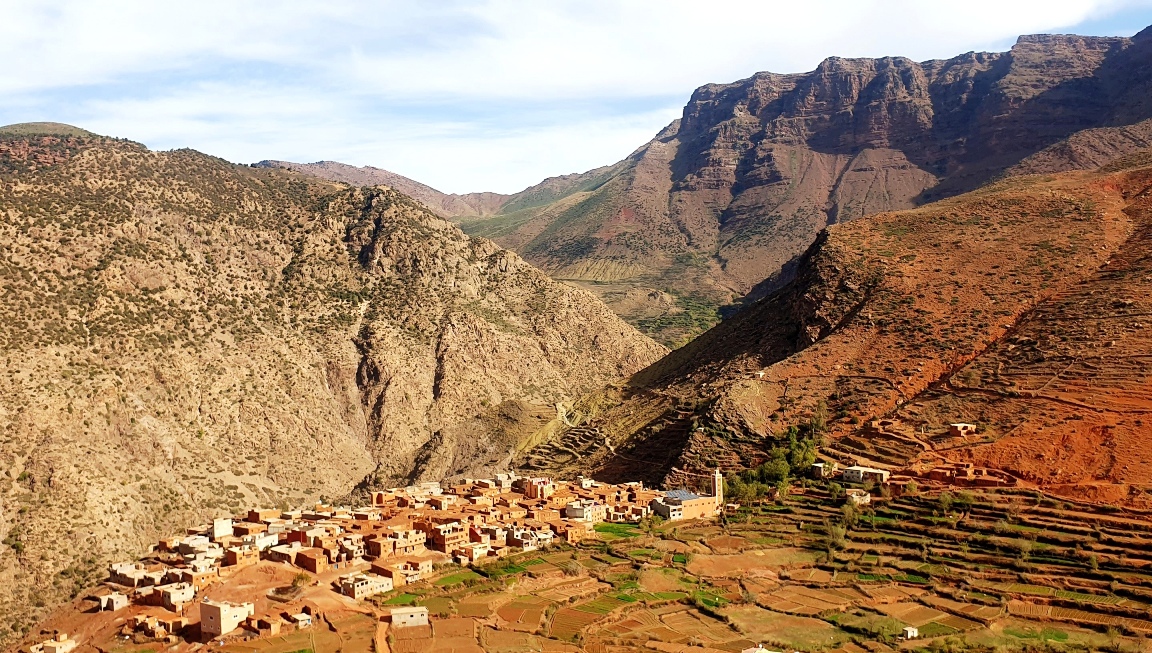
(849, 516)
(774, 471)
(911, 489)
(945, 501)
(964, 500)
(782, 489)
(736, 489)
(819, 421)
(651, 522)
(836, 535)
(836, 491)
(801, 452)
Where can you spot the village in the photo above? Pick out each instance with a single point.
(400, 539)
(524, 563)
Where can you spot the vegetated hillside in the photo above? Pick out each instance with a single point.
(1018, 307)
(182, 336)
(730, 194)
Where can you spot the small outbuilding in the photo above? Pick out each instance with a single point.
(409, 617)
(113, 602)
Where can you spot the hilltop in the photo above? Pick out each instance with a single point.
(442, 204)
(181, 335)
(43, 129)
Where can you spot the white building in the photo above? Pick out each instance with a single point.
(262, 541)
(222, 528)
(589, 511)
(407, 617)
(220, 617)
(174, 596)
(61, 643)
(360, 585)
(858, 474)
(113, 601)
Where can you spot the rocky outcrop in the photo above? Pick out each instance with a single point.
(1088, 149)
(182, 337)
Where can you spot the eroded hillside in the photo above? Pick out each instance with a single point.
(183, 336)
(1016, 307)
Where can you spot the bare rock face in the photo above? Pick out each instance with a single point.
(182, 337)
(736, 189)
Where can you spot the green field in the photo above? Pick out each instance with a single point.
(617, 531)
(1044, 634)
(457, 578)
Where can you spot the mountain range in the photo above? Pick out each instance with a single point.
(719, 205)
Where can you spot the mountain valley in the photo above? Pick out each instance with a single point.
(939, 272)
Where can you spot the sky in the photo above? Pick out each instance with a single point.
(481, 95)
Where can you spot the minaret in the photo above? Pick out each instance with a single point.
(718, 488)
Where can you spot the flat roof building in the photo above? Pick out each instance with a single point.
(409, 617)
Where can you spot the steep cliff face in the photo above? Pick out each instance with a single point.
(734, 191)
(182, 336)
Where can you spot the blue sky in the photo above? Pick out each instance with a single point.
(464, 96)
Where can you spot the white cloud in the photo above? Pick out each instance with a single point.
(466, 95)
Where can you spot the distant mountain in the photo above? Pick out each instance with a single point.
(447, 205)
(442, 204)
(182, 336)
